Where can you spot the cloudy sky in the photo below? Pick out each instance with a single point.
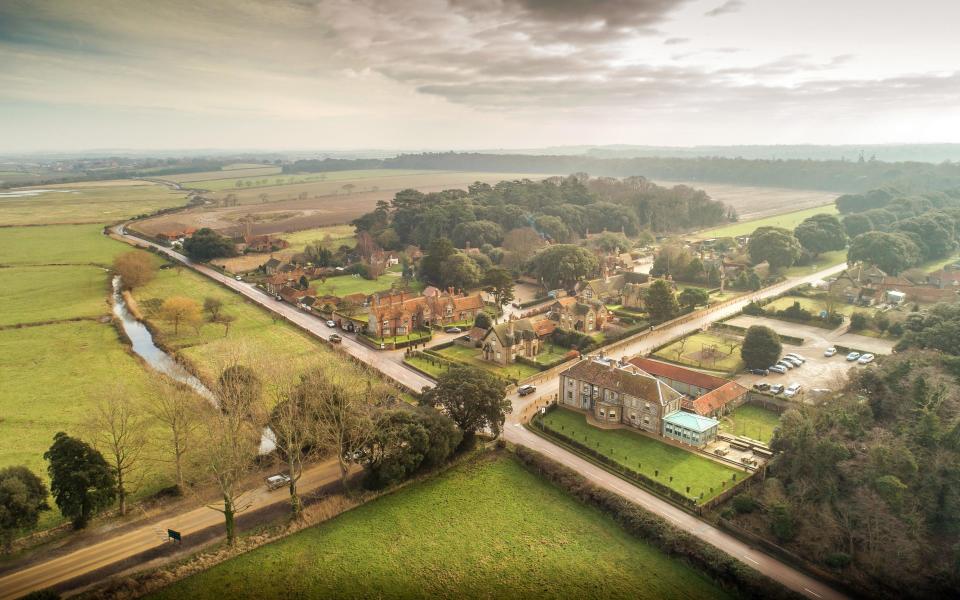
(307, 74)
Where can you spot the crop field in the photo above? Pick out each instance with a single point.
(103, 203)
(754, 202)
(228, 172)
(705, 350)
(485, 529)
(57, 244)
(37, 294)
(754, 422)
(647, 455)
(788, 220)
(314, 204)
(243, 180)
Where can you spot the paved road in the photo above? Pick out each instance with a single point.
(147, 537)
(516, 433)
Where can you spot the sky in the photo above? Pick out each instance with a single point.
(464, 74)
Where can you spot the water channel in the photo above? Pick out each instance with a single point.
(143, 346)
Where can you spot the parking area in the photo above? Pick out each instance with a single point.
(818, 372)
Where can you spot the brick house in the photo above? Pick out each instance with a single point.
(399, 314)
(576, 314)
(706, 395)
(504, 342)
(264, 243)
(623, 288)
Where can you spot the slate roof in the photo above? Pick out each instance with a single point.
(625, 380)
(678, 373)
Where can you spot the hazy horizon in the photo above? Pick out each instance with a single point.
(474, 74)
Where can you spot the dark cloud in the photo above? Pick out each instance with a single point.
(728, 7)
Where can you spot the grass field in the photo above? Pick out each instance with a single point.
(57, 244)
(486, 529)
(261, 179)
(344, 285)
(754, 422)
(646, 455)
(228, 172)
(472, 357)
(341, 235)
(104, 203)
(690, 351)
(52, 377)
(36, 294)
(787, 220)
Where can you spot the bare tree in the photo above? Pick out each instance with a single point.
(117, 429)
(176, 408)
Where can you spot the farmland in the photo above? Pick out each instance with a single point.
(754, 202)
(487, 528)
(314, 204)
(57, 244)
(337, 179)
(671, 466)
(340, 235)
(84, 203)
(80, 291)
(787, 220)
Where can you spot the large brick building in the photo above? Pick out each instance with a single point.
(400, 314)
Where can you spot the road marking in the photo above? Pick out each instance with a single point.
(812, 592)
(754, 561)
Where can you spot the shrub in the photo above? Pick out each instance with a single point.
(858, 321)
(896, 329)
(837, 560)
(744, 504)
(753, 309)
(572, 339)
(783, 525)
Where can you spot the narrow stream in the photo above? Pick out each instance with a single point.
(143, 346)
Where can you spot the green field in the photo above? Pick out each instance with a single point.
(786, 220)
(344, 285)
(646, 455)
(263, 179)
(473, 357)
(341, 235)
(486, 529)
(84, 203)
(52, 376)
(57, 244)
(754, 422)
(38, 294)
(692, 351)
(824, 261)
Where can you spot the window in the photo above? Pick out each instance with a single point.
(601, 412)
(612, 414)
(633, 416)
(569, 395)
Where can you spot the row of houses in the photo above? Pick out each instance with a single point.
(401, 313)
(661, 399)
(867, 285)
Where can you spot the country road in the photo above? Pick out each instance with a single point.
(390, 364)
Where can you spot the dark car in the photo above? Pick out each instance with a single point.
(763, 372)
(335, 339)
(761, 387)
(523, 390)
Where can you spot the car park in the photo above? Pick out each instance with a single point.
(853, 356)
(866, 359)
(524, 390)
(776, 388)
(831, 351)
(761, 372)
(453, 330)
(761, 387)
(795, 357)
(792, 390)
(335, 338)
(277, 481)
(331, 324)
(778, 369)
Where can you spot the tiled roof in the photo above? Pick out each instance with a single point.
(544, 327)
(623, 380)
(678, 373)
(718, 398)
(474, 302)
(566, 301)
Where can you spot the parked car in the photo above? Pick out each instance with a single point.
(239, 277)
(789, 360)
(524, 390)
(792, 390)
(796, 357)
(335, 338)
(853, 356)
(866, 359)
(453, 330)
(721, 450)
(786, 365)
(762, 372)
(331, 323)
(761, 387)
(778, 369)
(776, 388)
(831, 351)
(277, 481)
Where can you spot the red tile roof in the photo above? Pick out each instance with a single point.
(544, 327)
(713, 400)
(678, 373)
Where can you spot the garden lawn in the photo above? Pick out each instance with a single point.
(814, 305)
(105, 202)
(344, 285)
(58, 244)
(646, 455)
(551, 353)
(754, 422)
(824, 261)
(472, 357)
(40, 294)
(486, 529)
(690, 352)
(53, 376)
(786, 220)
(433, 369)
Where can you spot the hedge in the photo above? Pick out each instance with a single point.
(534, 302)
(673, 541)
